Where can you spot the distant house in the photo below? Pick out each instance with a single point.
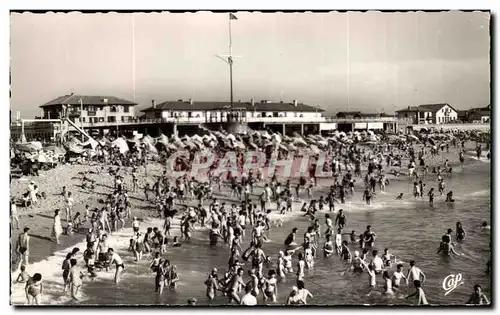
(480, 116)
(429, 114)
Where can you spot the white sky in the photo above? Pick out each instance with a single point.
(357, 61)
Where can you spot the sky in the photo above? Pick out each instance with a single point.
(372, 62)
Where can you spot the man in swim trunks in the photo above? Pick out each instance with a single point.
(117, 260)
(341, 219)
(377, 262)
(369, 237)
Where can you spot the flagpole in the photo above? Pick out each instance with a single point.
(230, 59)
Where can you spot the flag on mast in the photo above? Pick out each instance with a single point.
(232, 16)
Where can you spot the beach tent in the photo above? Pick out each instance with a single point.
(121, 144)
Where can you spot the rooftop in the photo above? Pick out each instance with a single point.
(74, 99)
(425, 107)
(263, 106)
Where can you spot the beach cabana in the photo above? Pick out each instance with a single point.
(121, 144)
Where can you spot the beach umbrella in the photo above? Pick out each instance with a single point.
(36, 144)
(57, 150)
(291, 147)
(315, 149)
(282, 147)
(25, 147)
(322, 143)
(299, 141)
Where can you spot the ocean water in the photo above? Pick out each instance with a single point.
(412, 229)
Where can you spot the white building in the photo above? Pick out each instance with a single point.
(429, 114)
(216, 112)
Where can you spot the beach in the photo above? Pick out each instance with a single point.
(410, 228)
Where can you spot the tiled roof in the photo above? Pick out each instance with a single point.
(480, 113)
(261, 107)
(432, 107)
(87, 100)
(425, 107)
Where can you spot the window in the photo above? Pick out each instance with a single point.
(190, 114)
(157, 114)
(101, 119)
(83, 119)
(113, 109)
(126, 109)
(112, 119)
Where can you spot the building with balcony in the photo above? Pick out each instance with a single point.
(428, 114)
(217, 112)
(86, 109)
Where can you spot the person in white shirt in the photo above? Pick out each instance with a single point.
(248, 299)
(117, 260)
(135, 225)
(303, 292)
(69, 207)
(75, 279)
(415, 274)
(14, 215)
(377, 263)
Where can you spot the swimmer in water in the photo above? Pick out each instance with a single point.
(415, 274)
(447, 247)
(397, 276)
(290, 239)
(345, 253)
(387, 283)
(328, 247)
(460, 233)
(422, 300)
(485, 225)
(400, 196)
(372, 275)
(478, 297)
(377, 263)
(388, 258)
(357, 263)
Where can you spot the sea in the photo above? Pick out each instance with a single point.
(410, 228)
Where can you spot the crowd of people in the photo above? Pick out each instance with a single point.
(252, 274)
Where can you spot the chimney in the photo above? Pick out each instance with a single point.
(153, 103)
(409, 107)
(190, 101)
(295, 103)
(252, 101)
